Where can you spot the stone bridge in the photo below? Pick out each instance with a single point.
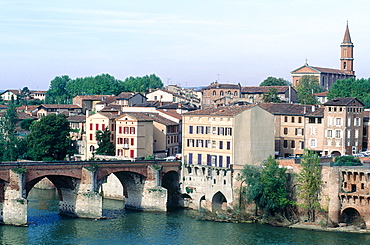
(147, 185)
(355, 196)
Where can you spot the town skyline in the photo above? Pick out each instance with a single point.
(188, 44)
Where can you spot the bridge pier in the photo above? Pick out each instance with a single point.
(154, 195)
(14, 207)
(84, 201)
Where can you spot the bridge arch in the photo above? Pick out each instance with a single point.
(170, 181)
(133, 185)
(219, 201)
(351, 216)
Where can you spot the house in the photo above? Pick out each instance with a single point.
(226, 136)
(88, 102)
(328, 76)
(7, 95)
(38, 94)
(134, 135)
(321, 97)
(253, 95)
(68, 110)
(98, 121)
(123, 99)
(289, 127)
(215, 91)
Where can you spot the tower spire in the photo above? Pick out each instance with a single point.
(346, 50)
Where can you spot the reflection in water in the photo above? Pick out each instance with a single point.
(126, 227)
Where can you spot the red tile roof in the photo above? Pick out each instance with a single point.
(263, 89)
(221, 111)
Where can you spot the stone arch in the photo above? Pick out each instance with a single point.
(336, 153)
(133, 187)
(170, 181)
(202, 202)
(351, 216)
(218, 201)
(59, 181)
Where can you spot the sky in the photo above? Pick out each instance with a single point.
(187, 43)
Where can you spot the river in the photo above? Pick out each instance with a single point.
(127, 227)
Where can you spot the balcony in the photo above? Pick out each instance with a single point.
(125, 146)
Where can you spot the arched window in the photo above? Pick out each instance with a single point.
(92, 148)
(236, 93)
(214, 92)
(221, 93)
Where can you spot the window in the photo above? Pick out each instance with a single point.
(120, 130)
(313, 143)
(285, 119)
(190, 129)
(292, 144)
(96, 126)
(125, 130)
(214, 130)
(91, 126)
(356, 134)
(213, 144)
(221, 144)
(301, 144)
(199, 158)
(91, 136)
(190, 159)
(228, 145)
(292, 119)
(228, 160)
(313, 130)
(214, 93)
(299, 119)
(338, 121)
(285, 131)
(329, 133)
(103, 127)
(132, 130)
(319, 120)
(357, 122)
(349, 122)
(235, 93)
(311, 120)
(220, 131)
(285, 144)
(208, 130)
(229, 131)
(221, 93)
(220, 160)
(132, 141)
(338, 133)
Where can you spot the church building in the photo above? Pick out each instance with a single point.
(328, 76)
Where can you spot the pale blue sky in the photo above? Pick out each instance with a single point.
(184, 42)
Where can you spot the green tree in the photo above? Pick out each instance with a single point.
(24, 96)
(142, 84)
(307, 86)
(309, 184)
(271, 96)
(8, 137)
(49, 138)
(267, 187)
(273, 81)
(359, 88)
(105, 146)
(57, 93)
(26, 123)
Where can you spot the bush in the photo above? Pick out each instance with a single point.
(347, 161)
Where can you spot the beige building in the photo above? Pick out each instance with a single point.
(134, 135)
(218, 142)
(289, 127)
(68, 110)
(95, 122)
(343, 119)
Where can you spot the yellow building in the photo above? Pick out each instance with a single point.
(225, 136)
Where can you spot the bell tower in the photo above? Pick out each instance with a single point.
(346, 53)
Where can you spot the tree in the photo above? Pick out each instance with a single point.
(309, 184)
(359, 88)
(271, 96)
(57, 93)
(26, 123)
(24, 95)
(273, 81)
(267, 187)
(8, 137)
(142, 84)
(106, 147)
(306, 88)
(49, 138)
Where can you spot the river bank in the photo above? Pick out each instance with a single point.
(230, 216)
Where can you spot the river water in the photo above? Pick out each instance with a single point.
(126, 227)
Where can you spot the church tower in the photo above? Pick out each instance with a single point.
(346, 50)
